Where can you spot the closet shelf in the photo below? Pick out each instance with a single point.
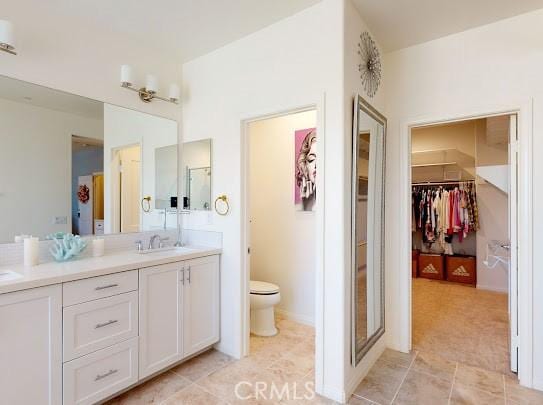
(435, 164)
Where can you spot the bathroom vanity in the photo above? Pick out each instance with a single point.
(82, 331)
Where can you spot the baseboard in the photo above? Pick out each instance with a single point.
(333, 394)
(306, 320)
(492, 288)
(226, 350)
(538, 385)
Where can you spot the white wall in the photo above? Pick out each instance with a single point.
(124, 127)
(493, 218)
(282, 237)
(35, 167)
(482, 69)
(354, 26)
(493, 207)
(293, 63)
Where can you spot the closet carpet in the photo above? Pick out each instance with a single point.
(461, 324)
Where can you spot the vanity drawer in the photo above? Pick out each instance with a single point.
(97, 324)
(98, 375)
(75, 292)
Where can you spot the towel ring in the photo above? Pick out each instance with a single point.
(146, 207)
(224, 199)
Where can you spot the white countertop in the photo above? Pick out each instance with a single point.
(54, 273)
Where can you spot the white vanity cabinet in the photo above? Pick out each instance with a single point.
(201, 304)
(82, 341)
(179, 311)
(161, 317)
(31, 346)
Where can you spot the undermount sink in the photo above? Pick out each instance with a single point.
(8, 275)
(177, 249)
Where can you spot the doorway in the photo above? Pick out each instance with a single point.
(126, 188)
(282, 234)
(87, 186)
(464, 241)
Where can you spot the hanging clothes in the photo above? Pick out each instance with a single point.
(442, 211)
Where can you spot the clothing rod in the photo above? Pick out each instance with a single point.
(437, 183)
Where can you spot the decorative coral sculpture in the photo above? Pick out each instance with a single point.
(67, 246)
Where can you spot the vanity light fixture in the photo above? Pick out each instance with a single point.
(7, 37)
(149, 91)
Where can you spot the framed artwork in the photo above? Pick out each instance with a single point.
(305, 168)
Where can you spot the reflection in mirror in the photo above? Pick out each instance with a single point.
(75, 165)
(166, 177)
(196, 163)
(367, 227)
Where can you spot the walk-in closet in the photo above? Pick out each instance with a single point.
(461, 238)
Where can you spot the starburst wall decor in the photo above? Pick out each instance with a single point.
(370, 64)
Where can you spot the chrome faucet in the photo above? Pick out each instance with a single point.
(160, 241)
(152, 241)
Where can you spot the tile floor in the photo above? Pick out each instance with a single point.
(418, 378)
(211, 377)
(421, 378)
(460, 356)
(461, 323)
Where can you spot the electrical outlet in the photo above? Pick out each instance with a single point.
(60, 220)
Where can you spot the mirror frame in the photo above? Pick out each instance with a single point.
(358, 351)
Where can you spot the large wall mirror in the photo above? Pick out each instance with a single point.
(196, 175)
(368, 218)
(76, 165)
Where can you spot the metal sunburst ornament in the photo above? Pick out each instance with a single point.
(370, 64)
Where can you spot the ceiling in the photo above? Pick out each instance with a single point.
(39, 96)
(401, 23)
(184, 29)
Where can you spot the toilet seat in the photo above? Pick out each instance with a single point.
(263, 288)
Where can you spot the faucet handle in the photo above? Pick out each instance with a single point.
(139, 245)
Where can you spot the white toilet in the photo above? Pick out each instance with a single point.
(264, 296)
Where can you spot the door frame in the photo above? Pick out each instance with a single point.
(115, 208)
(524, 112)
(319, 107)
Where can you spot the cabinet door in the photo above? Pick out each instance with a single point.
(31, 346)
(201, 304)
(161, 317)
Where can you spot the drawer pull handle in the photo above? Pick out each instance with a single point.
(101, 325)
(102, 376)
(189, 275)
(103, 287)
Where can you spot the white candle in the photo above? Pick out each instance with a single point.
(31, 251)
(98, 247)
